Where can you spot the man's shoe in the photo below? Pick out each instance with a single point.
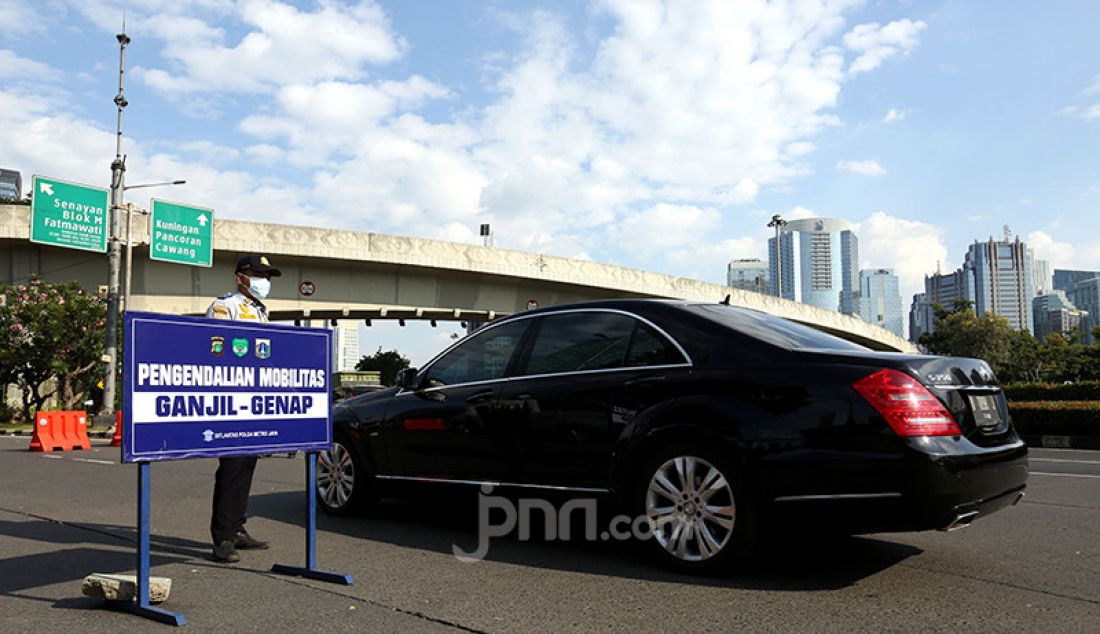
(225, 552)
(244, 541)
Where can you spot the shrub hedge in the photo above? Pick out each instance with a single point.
(1080, 391)
(1063, 418)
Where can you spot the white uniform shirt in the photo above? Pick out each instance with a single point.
(238, 307)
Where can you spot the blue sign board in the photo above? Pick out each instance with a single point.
(202, 388)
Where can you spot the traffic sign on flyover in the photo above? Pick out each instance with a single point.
(181, 233)
(69, 215)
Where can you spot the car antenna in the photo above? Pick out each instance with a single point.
(726, 301)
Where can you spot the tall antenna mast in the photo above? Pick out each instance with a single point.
(114, 255)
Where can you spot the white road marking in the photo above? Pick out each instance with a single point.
(94, 461)
(75, 459)
(1064, 460)
(1066, 475)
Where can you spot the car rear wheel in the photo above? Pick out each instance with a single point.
(701, 518)
(344, 484)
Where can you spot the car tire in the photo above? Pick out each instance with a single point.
(345, 484)
(708, 527)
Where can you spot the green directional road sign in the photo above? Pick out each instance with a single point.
(69, 215)
(180, 233)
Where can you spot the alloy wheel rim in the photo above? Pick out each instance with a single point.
(691, 508)
(335, 476)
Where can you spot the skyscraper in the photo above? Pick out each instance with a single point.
(880, 300)
(1054, 313)
(1003, 280)
(11, 184)
(1064, 279)
(345, 345)
(918, 318)
(939, 288)
(1085, 295)
(749, 275)
(1043, 281)
(819, 260)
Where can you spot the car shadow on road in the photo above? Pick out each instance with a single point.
(796, 562)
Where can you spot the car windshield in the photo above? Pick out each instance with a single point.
(771, 329)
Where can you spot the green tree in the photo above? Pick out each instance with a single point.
(50, 332)
(961, 333)
(387, 363)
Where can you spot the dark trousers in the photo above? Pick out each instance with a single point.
(232, 483)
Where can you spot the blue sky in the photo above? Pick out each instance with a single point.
(655, 135)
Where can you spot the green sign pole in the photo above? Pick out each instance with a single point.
(69, 215)
(182, 234)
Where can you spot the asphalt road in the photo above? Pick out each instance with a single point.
(1033, 567)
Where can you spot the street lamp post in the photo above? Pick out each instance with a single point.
(778, 222)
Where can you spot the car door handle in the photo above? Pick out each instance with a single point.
(645, 380)
(479, 397)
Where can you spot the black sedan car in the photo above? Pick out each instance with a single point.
(715, 422)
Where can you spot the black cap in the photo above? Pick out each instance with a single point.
(256, 264)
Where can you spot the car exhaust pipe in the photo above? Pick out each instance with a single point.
(961, 520)
(1018, 498)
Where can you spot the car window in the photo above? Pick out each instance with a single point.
(649, 347)
(774, 330)
(483, 357)
(579, 341)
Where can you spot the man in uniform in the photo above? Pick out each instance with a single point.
(233, 479)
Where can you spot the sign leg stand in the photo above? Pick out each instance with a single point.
(310, 570)
(142, 607)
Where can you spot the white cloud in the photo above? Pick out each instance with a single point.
(800, 148)
(1045, 247)
(912, 248)
(866, 168)
(1091, 113)
(19, 19)
(875, 44)
(665, 226)
(708, 261)
(286, 45)
(1094, 87)
(799, 213)
(643, 143)
(14, 67)
(892, 115)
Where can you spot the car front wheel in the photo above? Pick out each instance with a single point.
(701, 518)
(343, 483)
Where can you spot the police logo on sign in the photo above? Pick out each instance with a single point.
(263, 348)
(217, 345)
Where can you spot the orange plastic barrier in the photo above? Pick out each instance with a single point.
(75, 425)
(44, 438)
(60, 430)
(117, 440)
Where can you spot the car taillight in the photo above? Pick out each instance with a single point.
(907, 405)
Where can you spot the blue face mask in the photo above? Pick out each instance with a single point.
(259, 287)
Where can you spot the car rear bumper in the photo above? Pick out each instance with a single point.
(939, 484)
(953, 481)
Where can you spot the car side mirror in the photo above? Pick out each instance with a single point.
(407, 378)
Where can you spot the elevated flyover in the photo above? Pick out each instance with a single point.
(358, 275)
